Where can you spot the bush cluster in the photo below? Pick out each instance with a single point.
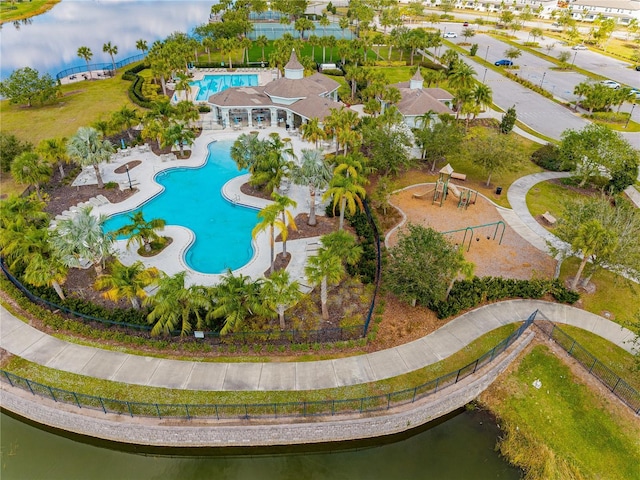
(366, 267)
(334, 72)
(528, 84)
(467, 294)
(548, 157)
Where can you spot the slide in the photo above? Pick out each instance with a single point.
(454, 189)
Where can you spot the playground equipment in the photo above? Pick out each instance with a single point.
(471, 232)
(443, 186)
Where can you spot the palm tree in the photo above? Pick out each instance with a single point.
(324, 269)
(178, 133)
(282, 202)
(128, 282)
(142, 45)
(461, 76)
(24, 211)
(483, 96)
(280, 293)
(314, 173)
(31, 169)
(102, 126)
(184, 83)
(343, 245)
(86, 54)
(592, 239)
(274, 164)
(312, 131)
(346, 191)
(54, 150)
(126, 118)
(81, 239)
(262, 41)
(45, 269)
(111, 50)
(268, 217)
(173, 304)
(227, 46)
(141, 231)
(88, 148)
(237, 298)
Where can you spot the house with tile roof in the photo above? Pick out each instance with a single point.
(290, 100)
(416, 100)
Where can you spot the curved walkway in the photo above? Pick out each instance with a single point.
(25, 341)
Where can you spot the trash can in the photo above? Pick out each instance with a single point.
(498, 190)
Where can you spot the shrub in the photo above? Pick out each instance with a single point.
(473, 50)
(335, 72)
(528, 84)
(548, 157)
(467, 294)
(204, 108)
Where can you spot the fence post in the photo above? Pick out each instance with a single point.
(217, 416)
(6, 374)
(186, 407)
(475, 366)
(29, 385)
(158, 410)
(76, 397)
(595, 360)
(129, 407)
(616, 385)
(570, 351)
(388, 401)
(102, 405)
(52, 395)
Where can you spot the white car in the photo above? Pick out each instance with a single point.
(610, 84)
(580, 47)
(450, 35)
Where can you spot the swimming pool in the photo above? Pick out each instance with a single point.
(192, 198)
(211, 84)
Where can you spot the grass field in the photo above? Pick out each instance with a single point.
(563, 430)
(549, 197)
(11, 11)
(81, 104)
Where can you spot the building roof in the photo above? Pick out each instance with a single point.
(417, 76)
(419, 102)
(316, 84)
(293, 63)
(315, 107)
(241, 97)
(613, 4)
(439, 93)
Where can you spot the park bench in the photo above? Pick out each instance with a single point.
(550, 219)
(458, 176)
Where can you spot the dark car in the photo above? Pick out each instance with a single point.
(638, 68)
(465, 24)
(503, 63)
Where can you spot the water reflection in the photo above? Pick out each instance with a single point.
(49, 42)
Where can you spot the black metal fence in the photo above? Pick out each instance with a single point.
(104, 67)
(264, 410)
(613, 382)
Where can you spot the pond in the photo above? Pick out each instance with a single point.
(50, 42)
(457, 447)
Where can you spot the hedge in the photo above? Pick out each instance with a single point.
(467, 294)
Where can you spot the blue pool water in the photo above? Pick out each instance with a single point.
(192, 198)
(211, 84)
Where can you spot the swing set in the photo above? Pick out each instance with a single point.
(471, 231)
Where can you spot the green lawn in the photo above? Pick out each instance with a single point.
(11, 10)
(107, 389)
(564, 429)
(82, 104)
(549, 197)
(617, 359)
(613, 294)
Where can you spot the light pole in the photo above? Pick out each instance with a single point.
(128, 176)
(542, 81)
(574, 58)
(633, 105)
(487, 53)
(485, 74)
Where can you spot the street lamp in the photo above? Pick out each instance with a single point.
(542, 81)
(485, 74)
(633, 105)
(574, 58)
(486, 54)
(128, 176)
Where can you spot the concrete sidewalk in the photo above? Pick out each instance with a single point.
(22, 340)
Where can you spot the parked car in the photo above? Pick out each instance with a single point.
(503, 63)
(636, 92)
(637, 68)
(610, 84)
(450, 35)
(465, 24)
(580, 47)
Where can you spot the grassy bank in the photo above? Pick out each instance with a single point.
(563, 430)
(108, 389)
(81, 104)
(11, 11)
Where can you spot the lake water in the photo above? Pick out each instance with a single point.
(49, 43)
(460, 448)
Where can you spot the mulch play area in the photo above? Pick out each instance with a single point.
(514, 258)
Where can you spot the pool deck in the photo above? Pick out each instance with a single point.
(171, 260)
